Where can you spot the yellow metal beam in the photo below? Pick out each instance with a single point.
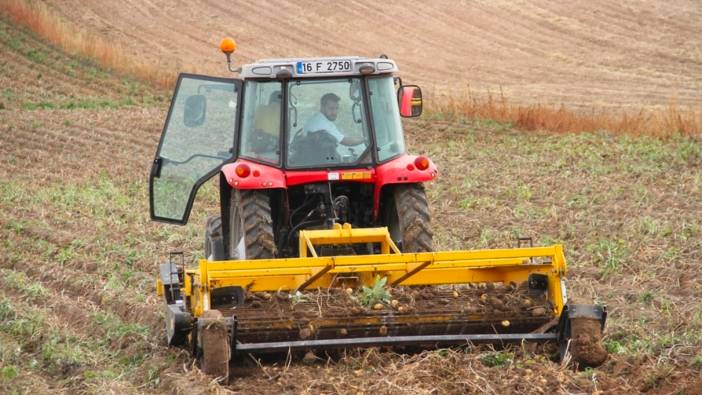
(406, 269)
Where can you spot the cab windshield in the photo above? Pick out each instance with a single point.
(327, 124)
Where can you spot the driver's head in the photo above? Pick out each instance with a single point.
(330, 106)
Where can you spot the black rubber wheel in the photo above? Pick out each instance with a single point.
(251, 233)
(408, 219)
(214, 344)
(214, 247)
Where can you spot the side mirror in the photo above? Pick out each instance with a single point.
(410, 99)
(194, 112)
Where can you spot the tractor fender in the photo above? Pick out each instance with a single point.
(259, 176)
(401, 170)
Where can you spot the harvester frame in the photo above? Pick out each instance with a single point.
(542, 269)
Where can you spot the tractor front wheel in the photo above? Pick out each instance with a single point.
(251, 227)
(408, 220)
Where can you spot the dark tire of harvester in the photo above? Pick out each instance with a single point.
(214, 340)
(586, 345)
(408, 219)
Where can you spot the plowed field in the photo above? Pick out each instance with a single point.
(583, 54)
(78, 254)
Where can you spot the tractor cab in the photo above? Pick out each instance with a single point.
(312, 113)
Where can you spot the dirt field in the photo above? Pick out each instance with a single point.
(584, 54)
(78, 313)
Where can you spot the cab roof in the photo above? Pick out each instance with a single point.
(318, 67)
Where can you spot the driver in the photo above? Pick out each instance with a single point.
(324, 121)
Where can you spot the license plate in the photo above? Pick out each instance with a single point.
(323, 66)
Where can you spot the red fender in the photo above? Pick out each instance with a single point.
(401, 170)
(259, 177)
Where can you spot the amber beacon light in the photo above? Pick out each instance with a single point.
(227, 45)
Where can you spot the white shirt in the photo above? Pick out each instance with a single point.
(320, 122)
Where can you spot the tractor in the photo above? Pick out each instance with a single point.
(317, 191)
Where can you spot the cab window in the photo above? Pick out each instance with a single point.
(260, 125)
(386, 118)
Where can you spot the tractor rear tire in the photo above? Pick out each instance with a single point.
(251, 233)
(214, 247)
(408, 219)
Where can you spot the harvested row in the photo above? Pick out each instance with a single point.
(51, 142)
(35, 75)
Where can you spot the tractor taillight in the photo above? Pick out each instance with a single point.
(422, 162)
(243, 170)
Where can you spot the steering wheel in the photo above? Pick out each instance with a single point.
(316, 147)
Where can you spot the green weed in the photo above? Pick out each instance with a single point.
(487, 236)
(690, 151)
(369, 296)
(609, 254)
(614, 347)
(6, 310)
(646, 297)
(523, 192)
(298, 297)
(468, 203)
(79, 104)
(9, 372)
(496, 359)
(61, 354)
(23, 284)
(650, 226)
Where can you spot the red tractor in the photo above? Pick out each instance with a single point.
(298, 144)
(301, 147)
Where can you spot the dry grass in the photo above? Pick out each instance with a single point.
(50, 26)
(663, 122)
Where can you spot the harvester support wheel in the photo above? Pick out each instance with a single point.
(586, 345)
(408, 220)
(580, 333)
(214, 343)
(251, 233)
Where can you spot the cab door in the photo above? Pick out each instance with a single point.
(197, 139)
